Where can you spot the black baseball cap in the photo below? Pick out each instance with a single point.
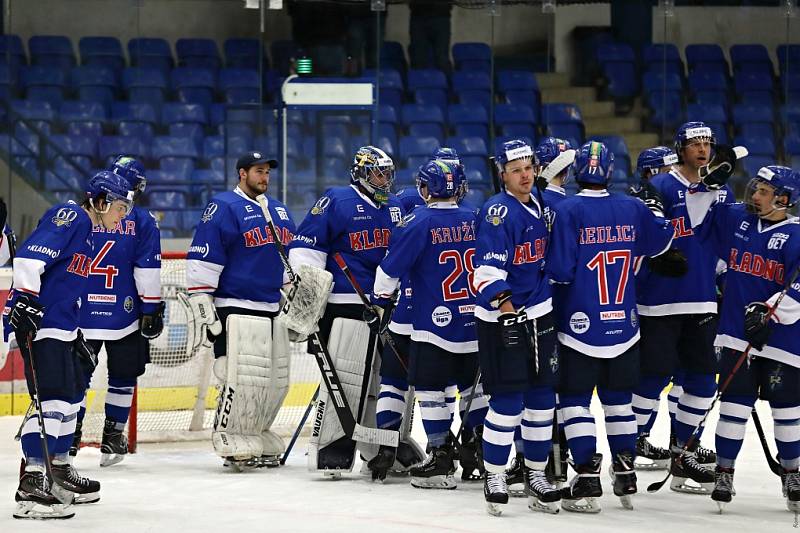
(255, 158)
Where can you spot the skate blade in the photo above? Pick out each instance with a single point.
(332, 474)
(109, 459)
(434, 482)
(627, 502)
(517, 490)
(89, 497)
(650, 464)
(37, 511)
(494, 509)
(581, 505)
(721, 506)
(536, 505)
(688, 486)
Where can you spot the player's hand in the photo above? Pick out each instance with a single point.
(756, 324)
(647, 193)
(512, 329)
(718, 171)
(152, 324)
(26, 317)
(85, 353)
(670, 264)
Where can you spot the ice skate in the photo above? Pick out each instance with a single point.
(515, 476)
(36, 501)
(436, 471)
(623, 477)
(584, 489)
(76, 441)
(542, 495)
(86, 490)
(495, 490)
(470, 455)
(114, 446)
(688, 475)
(791, 489)
(723, 491)
(380, 464)
(649, 456)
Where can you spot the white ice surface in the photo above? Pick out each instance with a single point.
(183, 488)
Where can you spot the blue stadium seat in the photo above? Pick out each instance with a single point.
(758, 129)
(788, 58)
(335, 147)
(51, 51)
(240, 86)
(470, 80)
(435, 97)
(387, 114)
(198, 53)
(74, 145)
(753, 163)
(43, 84)
(618, 64)
(752, 113)
(655, 81)
(102, 52)
(752, 83)
(667, 109)
(134, 112)
(475, 197)
(710, 87)
(464, 114)
(426, 79)
(791, 145)
(427, 129)
(387, 141)
(110, 147)
(149, 52)
(208, 175)
(472, 56)
(393, 56)
(561, 113)
(12, 52)
(415, 113)
(143, 130)
(95, 83)
(194, 85)
(145, 85)
(474, 97)
(662, 57)
(173, 113)
(472, 130)
(707, 58)
(405, 178)
(519, 130)
(476, 179)
(516, 80)
(706, 113)
(513, 114)
(39, 114)
(174, 152)
(83, 118)
(8, 82)
(751, 58)
(479, 163)
(244, 53)
(757, 146)
(417, 146)
(215, 146)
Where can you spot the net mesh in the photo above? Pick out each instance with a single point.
(177, 395)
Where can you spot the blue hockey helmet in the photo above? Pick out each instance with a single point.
(373, 171)
(133, 172)
(550, 148)
(441, 178)
(692, 132)
(653, 159)
(511, 151)
(111, 187)
(451, 157)
(594, 163)
(784, 181)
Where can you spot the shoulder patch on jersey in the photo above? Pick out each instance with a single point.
(406, 220)
(208, 214)
(321, 205)
(282, 214)
(496, 214)
(64, 217)
(396, 214)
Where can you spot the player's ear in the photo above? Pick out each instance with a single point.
(242, 173)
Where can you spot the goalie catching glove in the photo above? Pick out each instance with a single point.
(202, 323)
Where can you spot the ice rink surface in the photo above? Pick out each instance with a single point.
(183, 488)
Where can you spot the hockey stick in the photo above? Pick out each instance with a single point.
(655, 487)
(24, 419)
(352, 429)
(495, 176)
(774, 465)
(61, 494)
(468, 406)
(299, 427)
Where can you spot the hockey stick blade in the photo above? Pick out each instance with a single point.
(740, 152)
(774, 465)
(557, 165)
(383, 437)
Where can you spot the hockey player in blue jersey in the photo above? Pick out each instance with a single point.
(595, 238)
(51, 269)
(122, 309)
(433, 247)
(557, 171)
(679, 315)
(355, 221)
(761, 243)
(516, 334)
(234, 277)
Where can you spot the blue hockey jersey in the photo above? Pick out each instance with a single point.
(435, 246)
(696, 291)
(595, 238)
(761, 259)
(124, 277)
(552, 196)
(233, 254)
(401, 318)
(53, 265)
(346, 221)
(509, 256)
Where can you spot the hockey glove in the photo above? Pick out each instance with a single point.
(377, 317)
(85, 354)
(648, 194)
(26, 317)
(718, 171)
(513, 329)
(670, 264)
(541, 183)
(151, 324)
(756, 324)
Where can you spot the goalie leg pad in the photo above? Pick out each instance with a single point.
(273, 444)
(350, 344)
(245, 397)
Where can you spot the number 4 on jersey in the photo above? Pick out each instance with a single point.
(109, 271)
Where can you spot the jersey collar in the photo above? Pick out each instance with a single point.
(675, 173)
(790, 220)
(556, 189)
(536, 213)
(590, 193)
(443, 205)
(364, 197)
(241, 193)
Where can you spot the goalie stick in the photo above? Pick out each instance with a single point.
(351, 427)
(655, 487)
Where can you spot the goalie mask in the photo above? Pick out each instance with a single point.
(450, 157)
(373, 172)
(773, 188)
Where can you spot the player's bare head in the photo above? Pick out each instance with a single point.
(773, 191)
(694, 144)
(254, 169)
(108, 199)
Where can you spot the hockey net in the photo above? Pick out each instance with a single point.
(176, 397)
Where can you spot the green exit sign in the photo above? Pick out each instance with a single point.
(304, 65)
